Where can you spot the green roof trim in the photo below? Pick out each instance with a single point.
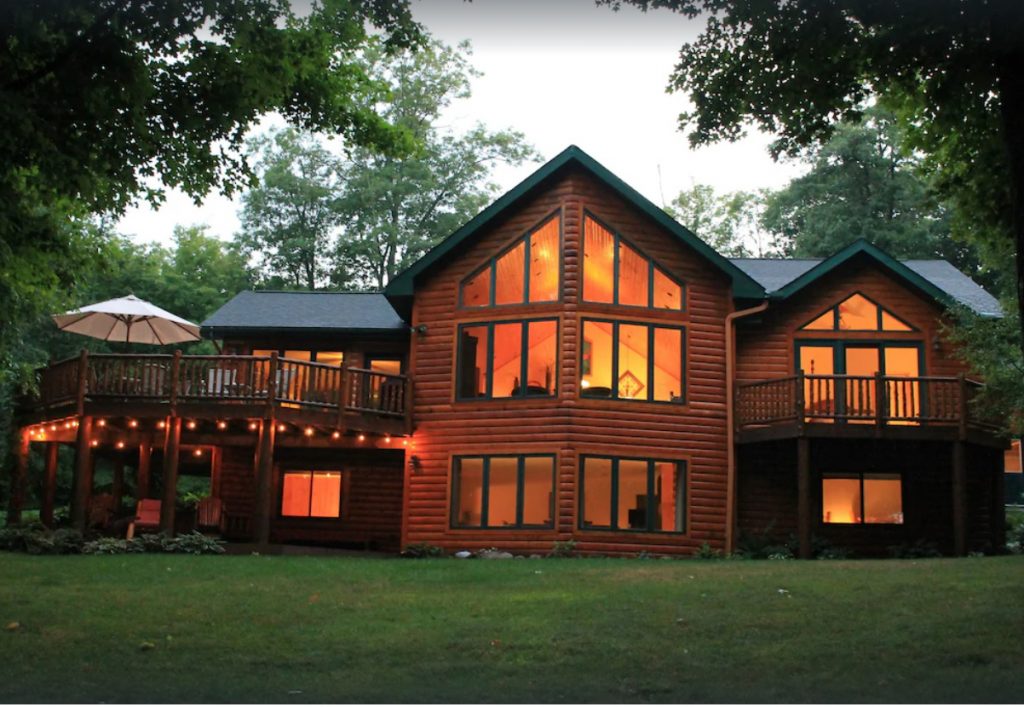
(403, 285)
(855, 249)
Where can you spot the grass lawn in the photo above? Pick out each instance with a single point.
(152, 628)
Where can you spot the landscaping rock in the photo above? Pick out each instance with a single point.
(494, 555)
(463, 554)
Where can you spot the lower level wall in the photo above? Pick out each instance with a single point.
(767, 494)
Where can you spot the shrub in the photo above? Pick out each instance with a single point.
(421, 550)
(153, 542)
(563, 548)
(194, 543)
(918, 549)
(111, 546)
(706, 552)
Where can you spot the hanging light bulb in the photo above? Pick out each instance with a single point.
(308, 432)
(133, 423)
(362, 438)
(253, 426)
(191, 424)
(336, 435)
(221, 425)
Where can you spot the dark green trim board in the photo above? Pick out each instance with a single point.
(861, 248)
(400, 290)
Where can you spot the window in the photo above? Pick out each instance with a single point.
(631, 361)
(614, 272)
(311, 494)
(632, 494)
(528, 271)
(507, 359)
(857, 313)
(861, 498)
(503, 492)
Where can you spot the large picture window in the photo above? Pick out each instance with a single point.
(507, 359)
(861, 498)
(632, 494)
(526, 272)
(503, 491)
(857, 313)
(311, 494)
(614, 272)
(630, 361)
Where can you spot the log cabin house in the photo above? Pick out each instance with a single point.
(571, 364)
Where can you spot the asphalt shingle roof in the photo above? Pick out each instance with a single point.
(774, 274)
(312, 312)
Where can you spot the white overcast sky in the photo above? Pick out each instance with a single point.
(562, 72)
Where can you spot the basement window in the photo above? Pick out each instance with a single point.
(311, 494)
(862, 499)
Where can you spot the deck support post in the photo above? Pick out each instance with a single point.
(803, 484)
(19, 475)
(81, 483)
(49, 484)
(998, 513)
(172, 444)
(959, 498)
(264, 481)
(142, 470)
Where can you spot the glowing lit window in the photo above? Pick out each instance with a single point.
(614, 272)
(857, 313)
(1012, 458)
(503, 491)
(628, 361)
(311, 494)
(862, 499)
(632, 494)
(507, 359)
(527, 271)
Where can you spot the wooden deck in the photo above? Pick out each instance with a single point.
(223, 387)
(896, 407)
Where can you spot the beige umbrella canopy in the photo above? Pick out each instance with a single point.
(128, 319)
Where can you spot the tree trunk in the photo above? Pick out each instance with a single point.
(1010, 70)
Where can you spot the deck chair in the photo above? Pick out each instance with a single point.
(147, 517)
(210, 514)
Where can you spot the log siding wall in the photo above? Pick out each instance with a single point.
(566, 425)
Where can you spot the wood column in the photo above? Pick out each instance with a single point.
(142, 470)
(803, 486)
(172, 446)
(49, 483)
(81, 484)
(264, 482)
(998, 500)
(959, 498)
(19, 476)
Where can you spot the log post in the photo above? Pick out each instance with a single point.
(271, 386)
(83, 378)
(879, 400)
(81, 483)
(49, 484)
(175, 384)
(963, 411)
(19, 475)
(801, 403)
(346, 377)
(172, 444)
(959, 498)
(142, 470)
(803, 485)
(998, 512)
(264, 481)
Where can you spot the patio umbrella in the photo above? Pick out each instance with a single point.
(128, 319)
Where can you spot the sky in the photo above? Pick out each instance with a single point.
(562, 72)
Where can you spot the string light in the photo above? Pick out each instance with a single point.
(133, 423)
(94, 443)
(74, 423)
(191, 424)
(53, 428)
(67, 425)
(336, 435)
(387, 439)
(280, 428)
(221, 425)
(253, 426)
(101, 422)
(308, 432)
(362, 438)
(197, 453)
(160, 425)
(120, 444)
(405, 443)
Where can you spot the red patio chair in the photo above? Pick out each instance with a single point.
(147, 517)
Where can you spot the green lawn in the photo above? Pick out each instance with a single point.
(338, 629)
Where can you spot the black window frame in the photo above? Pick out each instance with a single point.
(492, 263)
(651, 267)
(682, 469)
(524, 364)
(860, 475)
(485, 494)
(309, 516)
(651, 326)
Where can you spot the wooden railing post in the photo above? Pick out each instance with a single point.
(961, 380)
(343, 394)
(799, 402)
(272, 384)
(83, 378)
(175, 383)
(879, 400)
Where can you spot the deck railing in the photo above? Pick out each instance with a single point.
(880, 400)
(174, 379)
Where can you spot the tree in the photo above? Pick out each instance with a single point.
(289, 221)
(395, 207)
(861, 185)
(729, 223)
(799, 68)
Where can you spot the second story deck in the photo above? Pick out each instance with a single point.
(899, 407)
(223, 387)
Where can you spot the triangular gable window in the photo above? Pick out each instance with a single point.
(527, 271)
(857, 313)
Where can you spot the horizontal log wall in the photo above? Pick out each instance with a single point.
(569, 426)
(765, 345)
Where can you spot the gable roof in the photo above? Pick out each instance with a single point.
(269, 312)
(937, 279)
(401, 288)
